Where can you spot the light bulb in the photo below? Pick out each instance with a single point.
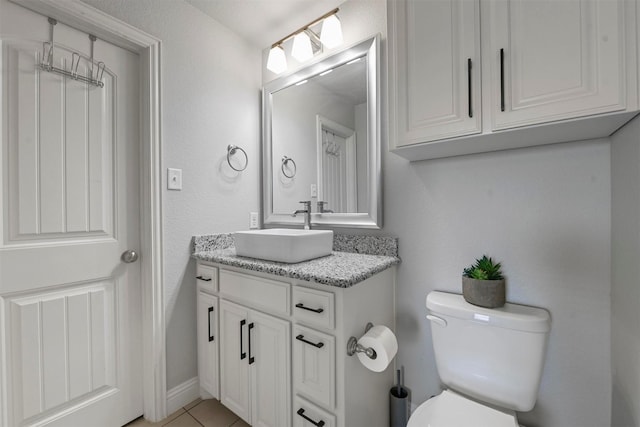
(301, 49)
(277, 61)
(331, 35)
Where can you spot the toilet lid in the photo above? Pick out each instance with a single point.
(450, 409)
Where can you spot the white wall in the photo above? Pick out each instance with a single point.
(625, 289)
(210, 98)
(544, 212)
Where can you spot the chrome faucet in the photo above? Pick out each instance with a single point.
(321, 208)
(307, 214)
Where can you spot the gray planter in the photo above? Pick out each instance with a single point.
(484, 293)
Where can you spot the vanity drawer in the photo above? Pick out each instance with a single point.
(306, 414)
(207, 277)
(313, 307)
(314, 368)
(258, 292)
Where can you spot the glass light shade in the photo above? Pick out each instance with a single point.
(301, 49)
(277, 61)
(331, 33)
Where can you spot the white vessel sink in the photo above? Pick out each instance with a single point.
(284, 245)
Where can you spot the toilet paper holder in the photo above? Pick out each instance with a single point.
(353, 347)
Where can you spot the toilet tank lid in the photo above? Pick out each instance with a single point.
(510, 316)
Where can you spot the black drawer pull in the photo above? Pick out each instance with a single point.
(209, 318)
(501, 79)
(316, 345)
(242, 353)
(251, 358)
(469, 65)
(204, 279)
(315, 423)
(315, 310)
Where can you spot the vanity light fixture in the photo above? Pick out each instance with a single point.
(331, 35)
(303, 39)
(277, 61)
(302, 49)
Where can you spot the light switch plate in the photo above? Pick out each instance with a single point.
(174, 179)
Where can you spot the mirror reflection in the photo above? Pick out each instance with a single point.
(319, 131)
(321, 141)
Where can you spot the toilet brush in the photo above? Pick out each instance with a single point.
(399, 402)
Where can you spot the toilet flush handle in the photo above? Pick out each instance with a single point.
(437, 320)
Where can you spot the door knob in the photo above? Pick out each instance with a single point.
(129, 256)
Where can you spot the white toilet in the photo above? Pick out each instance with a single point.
(490, 360)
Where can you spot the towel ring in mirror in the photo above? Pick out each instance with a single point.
(231, 150)
(286, 160)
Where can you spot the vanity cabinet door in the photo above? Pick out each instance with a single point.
(207, 330)
(269, 359)
(255, 365)
(234, 363)
(434, 70)
(314, 366)
(553, 60)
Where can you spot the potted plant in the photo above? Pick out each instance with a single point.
(483, 283)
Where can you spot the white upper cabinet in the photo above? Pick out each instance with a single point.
(435, 50)
(550, 71)
(553, 60)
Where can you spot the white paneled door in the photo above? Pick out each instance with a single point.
(70, 323)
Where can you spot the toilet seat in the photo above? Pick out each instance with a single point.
(449, 409)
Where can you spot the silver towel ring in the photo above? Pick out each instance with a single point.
(231, 150)
(286, 160)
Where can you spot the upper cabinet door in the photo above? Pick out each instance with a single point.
(434, 70)
(552, 60)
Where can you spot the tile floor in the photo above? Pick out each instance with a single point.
(199, 413)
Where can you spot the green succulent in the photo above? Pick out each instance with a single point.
(484, 269)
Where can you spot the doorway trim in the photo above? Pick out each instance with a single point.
(349, 135)
(91, 20)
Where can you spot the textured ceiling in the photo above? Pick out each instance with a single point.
(263, 22)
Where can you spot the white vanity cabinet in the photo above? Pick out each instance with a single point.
(328, 385)
(255, 348)
(543, 63)
(207, 330)
(282, 349)
(255, 365)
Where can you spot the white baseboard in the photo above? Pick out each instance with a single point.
(182, 394)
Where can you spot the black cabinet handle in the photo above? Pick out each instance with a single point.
(242, 353)
(501, 79)
(316, 345)
(315, 310)
(251, 358)
(315, 423)
(209, 319)
(469, 65)
(204, 279)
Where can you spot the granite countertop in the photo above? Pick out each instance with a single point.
(354, 259)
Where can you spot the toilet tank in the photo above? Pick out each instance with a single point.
(493, 355)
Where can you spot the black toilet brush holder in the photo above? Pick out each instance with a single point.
(399, 403)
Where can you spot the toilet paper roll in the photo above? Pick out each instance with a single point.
(384, 342)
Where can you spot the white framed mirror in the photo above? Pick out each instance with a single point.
(321, 141)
